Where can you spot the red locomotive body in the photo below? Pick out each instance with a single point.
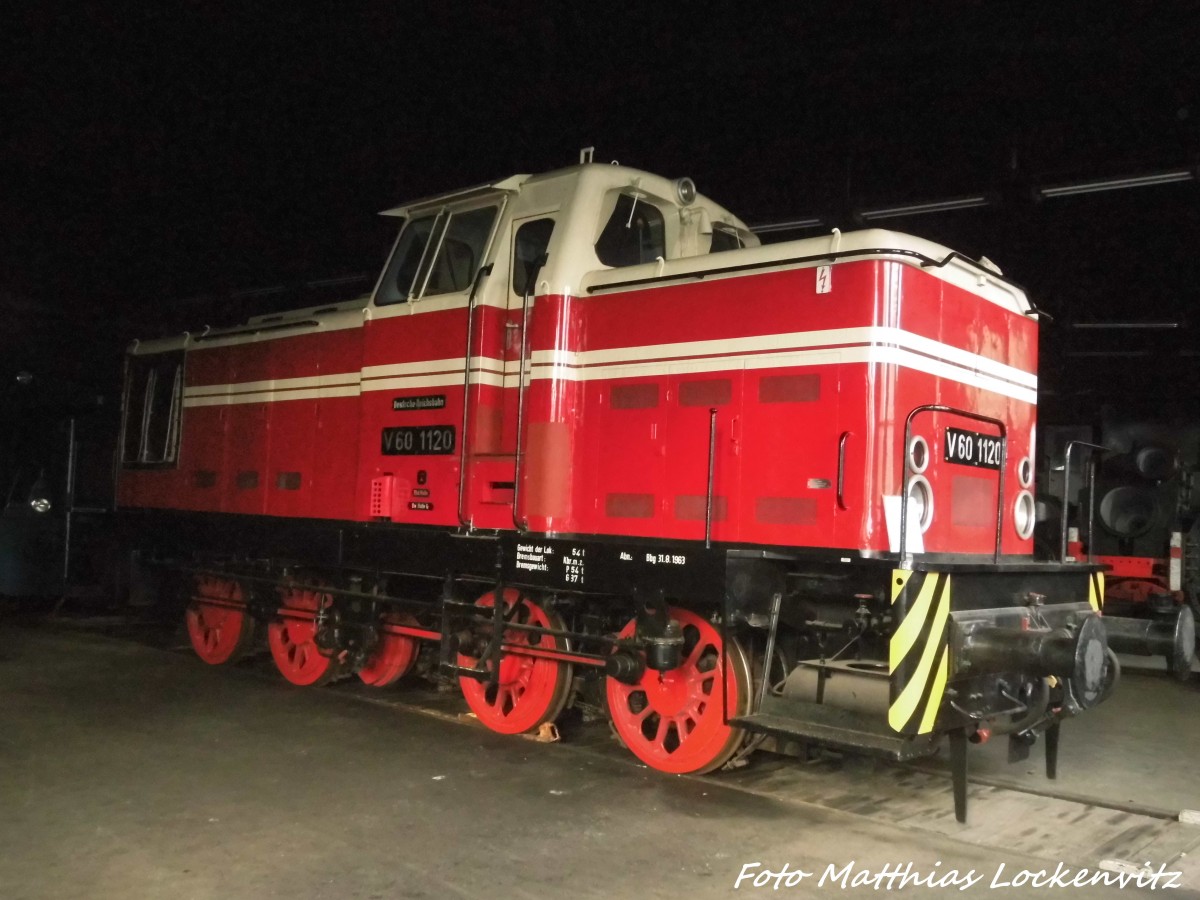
(675, 454)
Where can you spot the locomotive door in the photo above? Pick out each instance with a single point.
(418, 354)
(497, 383)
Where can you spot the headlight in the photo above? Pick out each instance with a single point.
(685, 190)
(1025, 472)
(40, 504)
(1024, 515)
(921, 493)
(918, 454)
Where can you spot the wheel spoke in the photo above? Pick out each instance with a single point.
(292, 639)
(529, 690)
(501, 697)
(638, 718)
(218, 633)
(706, 679)
(394, 655)
(677, 728)
(660, 735)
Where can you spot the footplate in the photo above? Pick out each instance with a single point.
(833, 727)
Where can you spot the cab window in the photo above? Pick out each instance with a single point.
(406, 259)
(724, 239)
(437, 254)
(153, 407)
(634, 233)
(529, 246)
(461, 252)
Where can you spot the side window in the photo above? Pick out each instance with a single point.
(437, 254)
(724, 239)
(529, 245)
(153, 409)
(634, 234)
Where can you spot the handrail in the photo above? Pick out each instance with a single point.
(708, 496)
(953, 255)
(1071, 445)
(519, 455)
(937, 407)
(926, 262)
(72, 462)
(483, 272)
(254, 329)
(841, 470)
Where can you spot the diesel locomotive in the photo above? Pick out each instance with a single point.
(587, 442)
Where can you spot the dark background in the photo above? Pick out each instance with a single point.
(157, 160)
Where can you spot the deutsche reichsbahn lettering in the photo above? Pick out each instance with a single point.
(418, 440)
(429, 401)
(971, 448)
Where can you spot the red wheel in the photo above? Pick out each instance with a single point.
(529, 690)
(674, 720)
(218, 625)
(394, 655)
(292, 639)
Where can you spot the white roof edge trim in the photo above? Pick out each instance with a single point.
(510, 185)
(769, 256)
(159, 345)
(358, 304)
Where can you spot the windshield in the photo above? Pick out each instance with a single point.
(437, 254)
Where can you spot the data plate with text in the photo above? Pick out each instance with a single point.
(418, 440)
(972, 448)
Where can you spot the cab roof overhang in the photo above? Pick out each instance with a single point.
(510, 184)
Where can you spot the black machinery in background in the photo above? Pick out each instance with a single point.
(1126, 493)
(56, 485)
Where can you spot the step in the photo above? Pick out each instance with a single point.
(830, 726)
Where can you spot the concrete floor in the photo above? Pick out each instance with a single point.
(1133, 751)
(129, 771)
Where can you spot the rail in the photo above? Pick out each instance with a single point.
(927, 262)
(1091, 484)
(708, 494)
(216, 335)
(519, 450)
(936, 408)
(483, 272)
(841, 470)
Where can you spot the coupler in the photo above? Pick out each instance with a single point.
(1172, 637)
(1076, 655)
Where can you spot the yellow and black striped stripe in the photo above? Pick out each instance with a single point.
(918, 656)
(1096, 591)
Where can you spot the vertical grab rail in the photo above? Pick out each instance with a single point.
(841, 470)
(483, 272)
(776, 601)
(937, 407)
(1066, 495)
(72, 459)
(708, 496)
(519, 454)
